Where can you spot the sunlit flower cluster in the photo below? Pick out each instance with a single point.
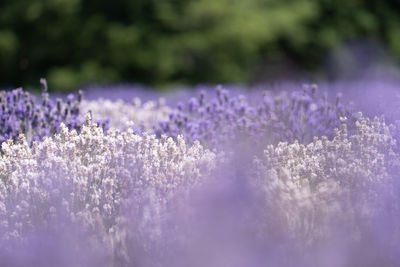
(329, 181)
(103, 182)
(142, 115)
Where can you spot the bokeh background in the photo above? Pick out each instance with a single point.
(167, 43)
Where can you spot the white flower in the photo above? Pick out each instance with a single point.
(119, 112)
(97, 180)
(327, 180)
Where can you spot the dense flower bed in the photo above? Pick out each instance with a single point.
(290, 178)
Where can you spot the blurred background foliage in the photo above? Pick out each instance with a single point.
(78, 42)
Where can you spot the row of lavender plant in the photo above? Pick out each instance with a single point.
(298, 115)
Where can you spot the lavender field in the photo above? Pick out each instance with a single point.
(219, 176)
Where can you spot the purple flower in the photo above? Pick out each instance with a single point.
(280, 117)
(21, 112)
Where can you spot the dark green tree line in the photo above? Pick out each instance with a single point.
(73, 42)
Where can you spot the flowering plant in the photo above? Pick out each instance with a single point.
(330, 182)
(20, 112)
(299, 115)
